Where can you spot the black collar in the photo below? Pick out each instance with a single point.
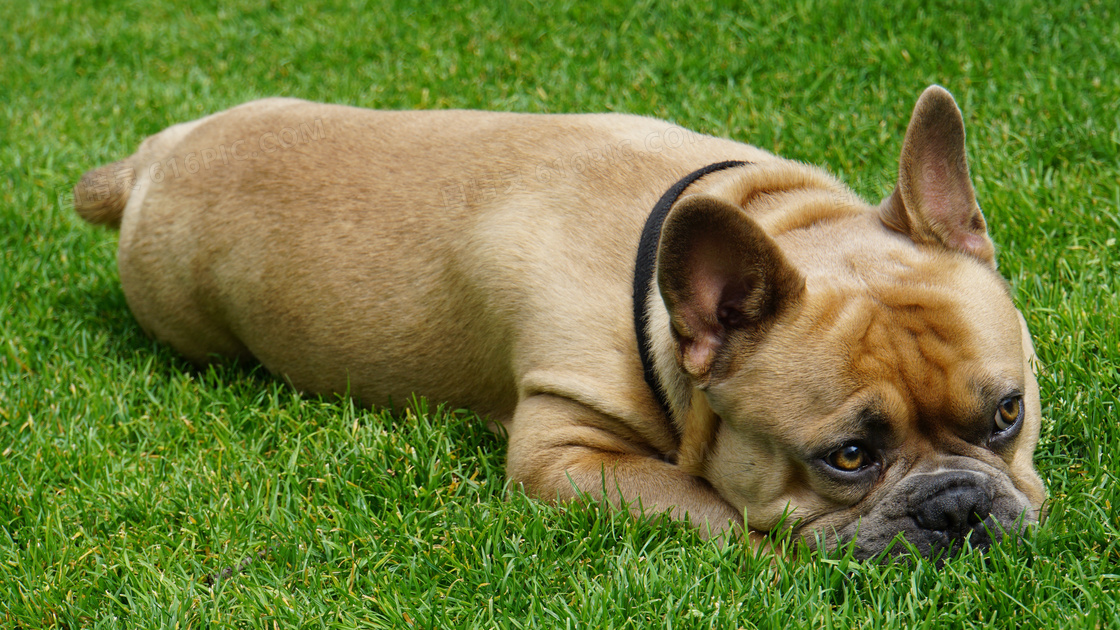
(643, 275)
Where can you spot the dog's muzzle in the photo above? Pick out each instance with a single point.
(952, 509)
(941, 513)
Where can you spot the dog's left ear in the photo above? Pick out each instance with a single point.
(719, 274)
(934, 202)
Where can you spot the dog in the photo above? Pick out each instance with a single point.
(677, 324)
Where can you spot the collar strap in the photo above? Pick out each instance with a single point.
(643, 275)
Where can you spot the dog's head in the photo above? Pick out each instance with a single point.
(857, 371)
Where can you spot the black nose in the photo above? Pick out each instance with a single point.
(955, 507)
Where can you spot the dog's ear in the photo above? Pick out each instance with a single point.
(719, 274)
(934, 202)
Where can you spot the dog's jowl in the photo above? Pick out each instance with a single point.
(675, 322)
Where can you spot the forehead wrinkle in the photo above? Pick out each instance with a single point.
(899, 337)
(915, 340)
(868, 416)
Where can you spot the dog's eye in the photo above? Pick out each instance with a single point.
(1009, 413)
(849, 458)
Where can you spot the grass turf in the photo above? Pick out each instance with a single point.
(137, 492)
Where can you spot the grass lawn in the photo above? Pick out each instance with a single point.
(138, 492)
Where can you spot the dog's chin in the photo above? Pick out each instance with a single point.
(909, 542)
(906, 543)
(935, 516)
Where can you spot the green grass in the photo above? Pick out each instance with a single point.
(128, 480)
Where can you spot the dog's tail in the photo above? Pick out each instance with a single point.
(101, 194)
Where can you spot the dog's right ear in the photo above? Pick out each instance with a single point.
(719, 273)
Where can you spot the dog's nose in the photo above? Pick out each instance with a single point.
(955, 508)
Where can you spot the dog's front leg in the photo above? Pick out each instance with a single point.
(560, 449)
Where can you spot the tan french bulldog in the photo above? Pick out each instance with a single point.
(675, 322)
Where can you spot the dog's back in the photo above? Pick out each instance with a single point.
(450, 253)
